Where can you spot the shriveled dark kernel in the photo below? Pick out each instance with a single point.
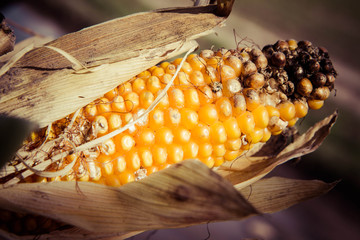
(319, 79)
(320, 93)
(281, 45)
(255, 80)
(304, 87)
(278, 59)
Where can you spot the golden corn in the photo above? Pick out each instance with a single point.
(220, 104)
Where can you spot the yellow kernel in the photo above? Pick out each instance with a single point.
(315, 104)
(219, 150)
(301, 108)
(164, 102)
(124, 142)
(170, 69)
(118, 104)
(231, 155)
(107, 168)
(157, 71)
(201, 133)
(196, 78)
(186, 68)
(153, 84)
(100, 125)
(266, 135)
(131, 101)
(197, 63)
(235, 63)
(292, 122)
(125, 88)
(177, 61)
(156, 119)
(272, 111)
(176, 98)
(205, 95)
(159, 154)
(218, 133)
(182, 81)
(164, 64)
(181, 135)
(146, 158)
(190, 149)
(119, 164)
(126, 177)
(215, 62)
(224, 108)
(172, 117)
(189, 118)
(261, 116)
(145, 137)
(210, 75)
(287, 110)
(165, 79)
(232, 128)
(208, 161)
(218, 161)
(111, 94)
(226, 73)
(132, 159)
(292, 44)
(205, 149)
(175, 153)
(112, 180)
(90, 111)
(108, 147)
(114, 121)
(233, 144)
(144, 75)
(146, 98)
(256, 136)
(138, 85)
(208, 114)
(246, 122)
(151, 170)
(164, 136)
(103, 106)
(191, 98)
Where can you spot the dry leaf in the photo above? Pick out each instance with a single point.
(184, 194)
(273, 194)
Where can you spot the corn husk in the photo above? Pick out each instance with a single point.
(185, 194)
(44, 84)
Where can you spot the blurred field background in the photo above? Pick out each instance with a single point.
(333, 24)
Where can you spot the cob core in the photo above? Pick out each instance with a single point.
(220, 104)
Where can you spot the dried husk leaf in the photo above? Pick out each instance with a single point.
(7, 37)
(45, 85)
(184, 194)
(258, 162)
(269, 195)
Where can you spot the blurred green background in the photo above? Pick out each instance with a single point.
(333, 24)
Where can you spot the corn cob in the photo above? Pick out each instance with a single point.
(220, 104)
